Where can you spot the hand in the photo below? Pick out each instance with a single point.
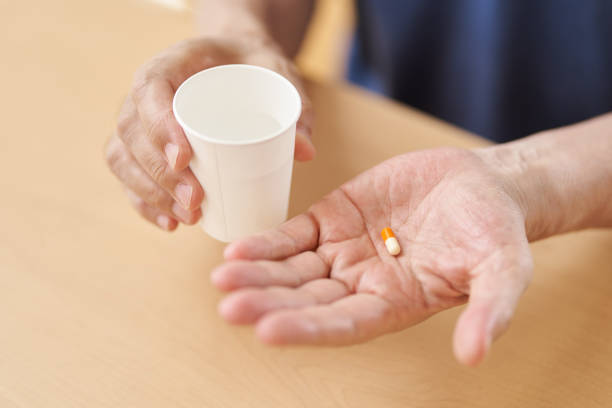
(325, 277)
(149, 152)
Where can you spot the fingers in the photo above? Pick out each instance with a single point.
(152, 98)
(304, 148)
(152, 214)
(248, 305)
(350, 320)
(297, 235)
(494, 293)
(293, 272)
(153, 92)
(136, 180)
(181, 185)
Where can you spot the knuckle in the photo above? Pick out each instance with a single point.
(155, 68)
(114, 155)
(140, 83)
(124, 124)
(143, 76)
(158, 66)
(158, 170)
(139, 205)
(127, 122)
(161, 121)
(136, 201)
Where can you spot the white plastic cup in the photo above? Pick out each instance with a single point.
(240, 121)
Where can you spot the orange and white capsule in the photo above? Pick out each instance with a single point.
(390, 241)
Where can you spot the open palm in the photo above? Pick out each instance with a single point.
(325, 276)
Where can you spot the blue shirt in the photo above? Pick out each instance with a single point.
(500, 68)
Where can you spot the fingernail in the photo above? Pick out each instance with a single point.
(171, 151)
(183, 194)
(163, 221)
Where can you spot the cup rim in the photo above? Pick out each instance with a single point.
(262, 139)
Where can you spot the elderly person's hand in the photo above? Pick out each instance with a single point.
(325, 277)
(463, 220)
(149, 152)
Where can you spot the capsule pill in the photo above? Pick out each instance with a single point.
(391, 243)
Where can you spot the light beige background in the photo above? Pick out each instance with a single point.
(100, 309)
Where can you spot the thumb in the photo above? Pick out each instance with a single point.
(304, 148)
(497, 285)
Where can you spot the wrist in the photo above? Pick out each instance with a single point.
(526, 179)
(252, 38)
(561, 179)
(232, 19)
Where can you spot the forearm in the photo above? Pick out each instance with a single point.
(283, 21)
(561, 177)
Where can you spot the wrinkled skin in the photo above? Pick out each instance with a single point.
(149, 152)
(325, 276)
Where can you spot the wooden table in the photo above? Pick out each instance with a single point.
(100, 309)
